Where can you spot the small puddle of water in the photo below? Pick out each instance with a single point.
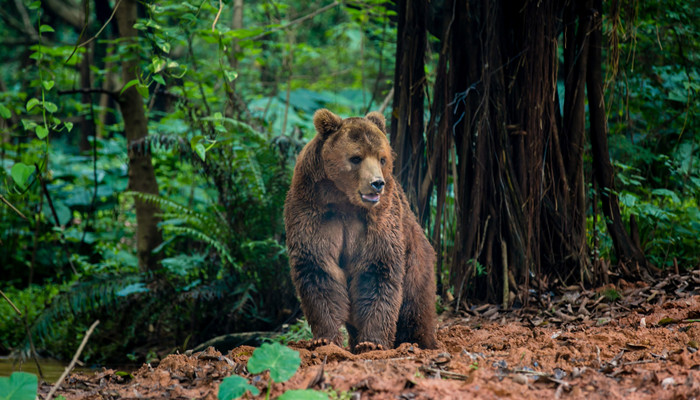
(51, 368)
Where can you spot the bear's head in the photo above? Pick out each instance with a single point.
(356, 155)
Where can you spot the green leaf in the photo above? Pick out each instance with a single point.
(47, 84)
(163, 45)
(230, 75)
(45, 28)
(31, 103)
(159, 79)
(50, 107)
(19, 386)
(28, 125)
(128, 85)
(20, 173)
(34, 5)
(41, 131)
(68, 125)
(198, 147)
(138, 287)
(282, 361)
(143, 90)
(667, 193)
(157, 64)
(5, 112)
(305, 394)
(234, 387)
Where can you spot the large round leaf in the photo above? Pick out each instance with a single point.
(234, 387)
(20, 173)
(282, 361)
(19, 386)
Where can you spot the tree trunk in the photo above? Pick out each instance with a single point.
(409, 93)
(515, 157)
(564, 249)
(518, 177)
(141, 175)
(628, 253)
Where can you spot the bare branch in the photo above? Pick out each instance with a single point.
(85, 43)
(218, 14)
(4, 200)
(11, 303)
(70, 366)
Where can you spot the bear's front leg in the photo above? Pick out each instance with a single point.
(324, 298)
(376, 300)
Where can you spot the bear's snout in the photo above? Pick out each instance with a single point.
(378, 185)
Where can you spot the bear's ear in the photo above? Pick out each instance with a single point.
(377, 118)
(326, 122)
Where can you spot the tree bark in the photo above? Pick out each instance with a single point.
(628, 253)
(141, 175)
(409, 93)
(514, 156)
(564, 249)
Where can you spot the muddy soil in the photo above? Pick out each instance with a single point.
(577, 345)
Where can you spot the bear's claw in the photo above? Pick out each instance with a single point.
(367, 346)
(321, 342)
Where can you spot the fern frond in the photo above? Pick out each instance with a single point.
(83, 297)
(145, 145)
(220, 247)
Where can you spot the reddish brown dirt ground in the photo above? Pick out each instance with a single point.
(579, 345)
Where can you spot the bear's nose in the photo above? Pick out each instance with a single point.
(378, 185)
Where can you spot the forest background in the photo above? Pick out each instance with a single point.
(549, 144)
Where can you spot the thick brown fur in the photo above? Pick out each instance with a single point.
(357, 253)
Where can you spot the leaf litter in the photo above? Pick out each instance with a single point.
(628, 341)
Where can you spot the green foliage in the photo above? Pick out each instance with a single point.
(300, 330)
(235, 386)
(19, 386)
(228, 109)
(282, 361)
(611, 294)
(343, 395)
(653, 100)
(303, 394)
(31, 301)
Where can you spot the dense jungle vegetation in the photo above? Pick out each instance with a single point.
(183, 118)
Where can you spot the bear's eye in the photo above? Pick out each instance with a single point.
(356, 159)
(383, 161)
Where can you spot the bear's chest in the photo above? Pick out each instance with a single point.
(350, 235)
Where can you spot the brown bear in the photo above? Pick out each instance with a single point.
(357, 253)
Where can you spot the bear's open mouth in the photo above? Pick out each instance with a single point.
(372, 198)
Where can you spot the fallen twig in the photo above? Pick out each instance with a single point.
(638, 362)
(444, 374)
(529, 372)
(392, 359)
(318, 378)
(73, 361)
